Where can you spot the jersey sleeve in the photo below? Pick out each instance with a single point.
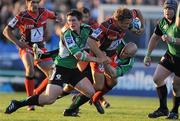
(73, 48)
(157, 30)
(99, 33)
(121, 69)
(15, 22)
(50, 14)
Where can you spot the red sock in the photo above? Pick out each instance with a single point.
(29, 85)
(42, 86)
(99, 94)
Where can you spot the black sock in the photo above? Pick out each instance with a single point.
(176, 102)
(162, 93)
(32, 100)
(80, 100)
(64, 93)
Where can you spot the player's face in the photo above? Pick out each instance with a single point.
(169, 13)
(33, 5)
(125, 53)
(86, 18)
(73, 23)
(124, 25)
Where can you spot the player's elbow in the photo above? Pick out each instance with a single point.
(6, 31)
(79, 56)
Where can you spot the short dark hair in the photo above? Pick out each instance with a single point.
(75, 12)
(84, 10)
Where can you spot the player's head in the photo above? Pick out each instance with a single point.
(170, 8)
(123, 17)
(32, 5)
(85, 14)
(74, 18)
(129, 50)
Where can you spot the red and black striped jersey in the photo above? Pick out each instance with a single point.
(32, 29)
(109, 36)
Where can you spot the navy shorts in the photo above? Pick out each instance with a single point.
(171, 62)
(63, 75)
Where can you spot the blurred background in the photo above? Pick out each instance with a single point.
(138, 82)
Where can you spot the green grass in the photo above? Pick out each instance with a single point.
(122, 109)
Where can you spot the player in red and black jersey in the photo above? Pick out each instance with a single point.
(109, 34)
(32, 25)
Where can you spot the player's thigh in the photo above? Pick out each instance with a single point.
(99, 80)
(53, 90)
(46, 67)
(161, 73)
(28, 62)
(85, 87)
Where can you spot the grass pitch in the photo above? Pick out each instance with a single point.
(122, 109)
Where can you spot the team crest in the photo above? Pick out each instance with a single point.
(70, 42)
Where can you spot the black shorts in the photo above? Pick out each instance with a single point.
(63, 75)
(171, 62)
(87, 73)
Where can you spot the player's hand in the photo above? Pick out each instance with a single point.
(37, 52)
(147, 60)
(60, 19)
(22, 44)
(167, 38)
(139, 32)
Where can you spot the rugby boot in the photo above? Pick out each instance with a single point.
(37, 52)
(13, 106)
(70, 112)
(105, 104)
(99, 107)
(158, 113)
(172, 116)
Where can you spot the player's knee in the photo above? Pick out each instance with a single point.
(51, 100)
(98, 87)
(158, 81)
(30, 72)
(176, 89)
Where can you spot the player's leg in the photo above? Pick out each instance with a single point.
(160, 74)
(53, 90)
(84, 86)
(174, 114)
(45, 67)
(28, 62)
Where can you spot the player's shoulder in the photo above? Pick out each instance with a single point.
(83, 25)
(22, 13)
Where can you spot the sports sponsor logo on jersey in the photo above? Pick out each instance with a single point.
(29, 26)
(70, 42)
(96, 32)
(13, 22)
(37, 34)
(114, 44)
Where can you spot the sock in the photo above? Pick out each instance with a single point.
(99, 94)
(32, 100)
(80, 100)
(41, 87)
(176, 102)
(162, 93)
(29, 84)
(64, 93)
